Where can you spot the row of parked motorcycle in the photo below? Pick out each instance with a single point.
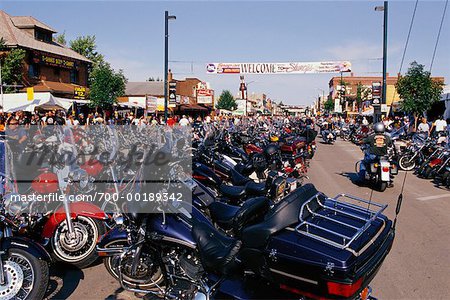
(249, 227)
(427, 156)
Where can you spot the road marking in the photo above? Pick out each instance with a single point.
(433, 197)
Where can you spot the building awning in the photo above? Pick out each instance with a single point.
(19, 101)
(131, 104)
(55, 87)
(192, 107)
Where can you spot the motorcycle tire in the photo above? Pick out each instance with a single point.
(144, 281)
(427, 173)
(381, 186)
(27, 276)
(87, 230)
(446, 181)
(406, 164)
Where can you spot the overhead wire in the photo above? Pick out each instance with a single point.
(406, 43)
(409, 35)
(439, 35)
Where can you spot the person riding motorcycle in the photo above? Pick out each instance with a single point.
(377, 145)
(326, 127)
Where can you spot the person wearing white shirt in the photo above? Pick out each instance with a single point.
(440, 124)
(365, 122)
(184, 121)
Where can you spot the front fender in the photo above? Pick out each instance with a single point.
(76, 209)
(27, 245)
(114, 234)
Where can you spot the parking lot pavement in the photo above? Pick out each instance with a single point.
(418, 266)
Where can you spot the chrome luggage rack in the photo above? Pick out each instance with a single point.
(344, 212)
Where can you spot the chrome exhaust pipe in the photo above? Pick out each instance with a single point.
(111, 251)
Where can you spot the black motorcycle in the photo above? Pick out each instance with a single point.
(23, 265)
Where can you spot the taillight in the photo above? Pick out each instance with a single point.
(342, 289)
(299, 292)
(385, 169)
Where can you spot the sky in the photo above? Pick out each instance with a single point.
(130, 34)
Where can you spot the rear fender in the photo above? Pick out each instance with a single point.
(435, 162)
(76, 209)
(385, 175)
(27, 245)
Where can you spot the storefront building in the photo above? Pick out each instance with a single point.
(346, 94)
(48, 66)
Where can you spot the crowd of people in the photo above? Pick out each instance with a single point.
(421, 125)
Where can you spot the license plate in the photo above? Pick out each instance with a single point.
(293, 186)
(281, 188)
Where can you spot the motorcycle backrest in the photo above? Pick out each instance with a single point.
(284, 214)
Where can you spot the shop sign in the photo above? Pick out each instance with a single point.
(172, 93)
(79, 92)
(205, 96)
(54, 60)
(152, 104)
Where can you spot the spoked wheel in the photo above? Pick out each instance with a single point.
(26, 276)
(148, 275)
(406, 163)
(78, 250)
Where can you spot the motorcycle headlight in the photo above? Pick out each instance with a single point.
(13, 204)
(80, 176)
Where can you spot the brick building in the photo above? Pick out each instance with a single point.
(48, 66)
(347, 92)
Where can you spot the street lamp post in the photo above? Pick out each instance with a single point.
(1, 87)
(384, 9)
(167, 17)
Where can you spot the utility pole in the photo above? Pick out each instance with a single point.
(383, 91)
(377, 108)
(166, 62)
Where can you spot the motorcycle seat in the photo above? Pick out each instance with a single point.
(232, 192)
(237, 178)
(235, 217)
(284, 214)
(244, 169)
(217, 251)
(256, 189)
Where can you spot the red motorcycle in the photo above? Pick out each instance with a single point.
(63, 222)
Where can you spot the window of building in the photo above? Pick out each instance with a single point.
(33, 71)
(43, 36)
(74, 76)
(56, 72)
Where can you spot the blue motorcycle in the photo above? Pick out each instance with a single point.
(306, 245)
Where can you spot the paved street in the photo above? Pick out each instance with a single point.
(417, 267)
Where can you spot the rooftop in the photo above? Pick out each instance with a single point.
(153, 88)
(12, 31)
(23, 22)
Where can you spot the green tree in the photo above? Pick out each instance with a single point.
(12, 65)
(61, 39)
(329, 105)
(226, 101)
(418, 91)
(107, 85)
(86, 46)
